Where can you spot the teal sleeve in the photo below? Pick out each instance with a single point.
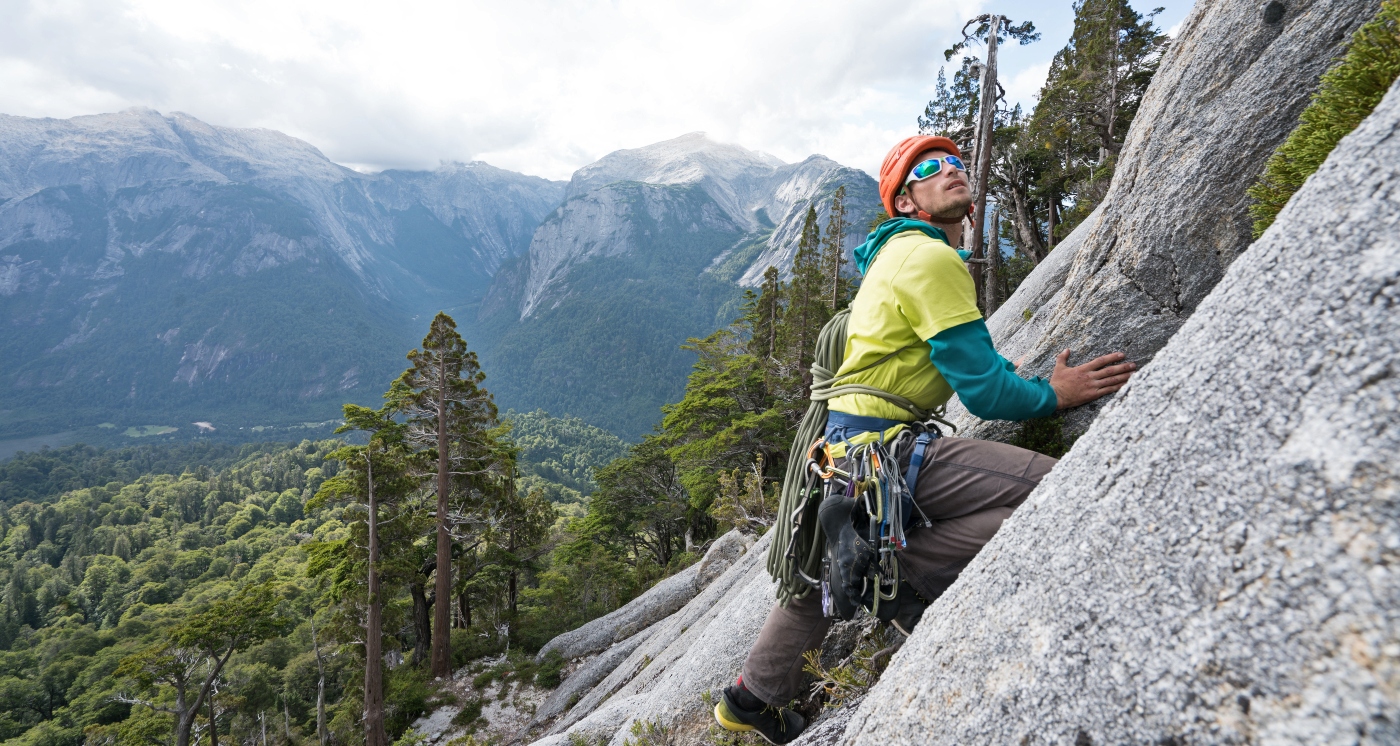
(986, 382)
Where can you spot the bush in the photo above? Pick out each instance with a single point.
(473, 643)
(407, 694)
(549, 674)
(469, 713)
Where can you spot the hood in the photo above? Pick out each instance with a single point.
(865, 253)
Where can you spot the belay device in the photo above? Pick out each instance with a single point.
(840, 530)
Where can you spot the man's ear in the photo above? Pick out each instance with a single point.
(903, 204)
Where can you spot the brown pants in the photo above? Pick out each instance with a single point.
(967, 488)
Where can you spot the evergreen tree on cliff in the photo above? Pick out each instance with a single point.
(452, 415)
(1090, 97)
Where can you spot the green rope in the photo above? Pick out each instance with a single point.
(809, 542)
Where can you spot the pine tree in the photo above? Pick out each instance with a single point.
(376, 479)
(834, 251)
(450, 413)
(1090, 97)
(764, 317)
(952, 113)
(806, 310)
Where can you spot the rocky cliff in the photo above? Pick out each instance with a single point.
(651, 246)
(1229, 90)
(157, 269)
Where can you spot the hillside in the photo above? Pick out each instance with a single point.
(651, 246)
(160, 271)
(156, 269)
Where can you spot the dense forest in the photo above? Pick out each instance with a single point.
(110, 555)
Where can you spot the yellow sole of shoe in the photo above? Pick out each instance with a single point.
(728, 724)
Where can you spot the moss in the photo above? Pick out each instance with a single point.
(1044, 435)
(1348, 93)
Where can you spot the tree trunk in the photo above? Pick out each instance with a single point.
(989, 270)
(464, 607)
(1027, 233)
(320, 690)
(213, 724)
(422, 623)
(986, 115)
(513, 575)
(1053, 219)
(442, 646)
(374, 652)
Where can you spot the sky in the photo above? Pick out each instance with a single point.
(537, 87)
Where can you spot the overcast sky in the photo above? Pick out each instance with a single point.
(538, 87)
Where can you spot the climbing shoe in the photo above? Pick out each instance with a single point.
(775, 724)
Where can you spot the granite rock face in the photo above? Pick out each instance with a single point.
(1215, 560)
(1229, 90)
(696, 650)
(656, 604)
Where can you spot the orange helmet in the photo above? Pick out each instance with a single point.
(901, 158)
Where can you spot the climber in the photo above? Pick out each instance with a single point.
(915, 334)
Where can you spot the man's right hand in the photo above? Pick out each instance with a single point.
(1085, 383)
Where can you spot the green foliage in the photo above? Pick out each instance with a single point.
(1348, 93)
(649, 733)
(138, 568)
(551, 668)
(44, 475)
(470, 644)
(409, 693)
(1091, 96)
(470, 712)
(559, 454)
(1044, 435)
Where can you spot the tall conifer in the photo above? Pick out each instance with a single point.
(450, 412)
(834, 251)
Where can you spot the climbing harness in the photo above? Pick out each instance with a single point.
(865, 510)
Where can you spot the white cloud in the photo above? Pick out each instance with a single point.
(534, 86)
(1024, 86)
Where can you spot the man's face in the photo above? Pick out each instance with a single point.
(945, 195)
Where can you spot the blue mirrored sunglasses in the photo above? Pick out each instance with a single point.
(933, 166)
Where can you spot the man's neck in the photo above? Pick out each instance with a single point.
(954, 231)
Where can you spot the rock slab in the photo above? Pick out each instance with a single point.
(657, 603)
(1229, 90)
(1218, 558)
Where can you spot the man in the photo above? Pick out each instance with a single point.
(918, 302)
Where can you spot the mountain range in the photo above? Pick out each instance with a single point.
(158, 270)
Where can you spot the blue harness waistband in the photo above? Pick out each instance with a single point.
(844, 425)
(841, 426)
